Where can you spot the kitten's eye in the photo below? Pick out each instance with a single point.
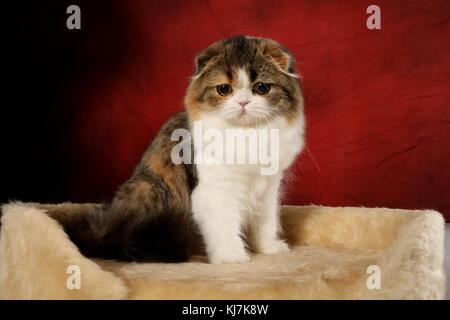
(262, 88)
(224, 89)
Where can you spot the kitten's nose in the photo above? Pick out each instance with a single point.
(244, 103)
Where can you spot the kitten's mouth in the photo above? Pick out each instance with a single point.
(245, 118)
(244, 115)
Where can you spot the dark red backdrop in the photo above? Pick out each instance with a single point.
(377, 101)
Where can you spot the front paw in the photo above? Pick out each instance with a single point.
(275, 246)
(229, 255)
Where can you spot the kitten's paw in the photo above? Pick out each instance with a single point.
(276, 246)
(229, 256)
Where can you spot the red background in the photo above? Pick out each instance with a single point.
(376, 101)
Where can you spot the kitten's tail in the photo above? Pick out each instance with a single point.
(99, 232)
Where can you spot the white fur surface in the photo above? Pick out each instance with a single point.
(35, 254)
(331, 250)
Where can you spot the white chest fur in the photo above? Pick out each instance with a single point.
(264, 150)
(231, 198)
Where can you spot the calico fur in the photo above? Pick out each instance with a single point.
(149, 218)
(168, 212)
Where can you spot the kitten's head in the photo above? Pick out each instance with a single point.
(246, 81)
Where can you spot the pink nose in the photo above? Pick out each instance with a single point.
(244, 103)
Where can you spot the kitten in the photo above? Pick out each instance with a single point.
(168, 212)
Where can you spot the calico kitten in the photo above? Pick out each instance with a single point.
(168, 212)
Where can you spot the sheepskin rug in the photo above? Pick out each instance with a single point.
(337, 253)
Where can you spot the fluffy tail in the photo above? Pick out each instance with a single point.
(99, 232)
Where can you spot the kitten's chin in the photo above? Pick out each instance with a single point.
(247, 120)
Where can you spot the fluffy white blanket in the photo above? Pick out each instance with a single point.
(337, 253)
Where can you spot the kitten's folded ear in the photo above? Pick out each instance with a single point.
(282, 56)
(205, 57)
(200, 62)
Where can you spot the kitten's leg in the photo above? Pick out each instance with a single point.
(219, 214)
(267, 226)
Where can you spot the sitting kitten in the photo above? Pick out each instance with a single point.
(168, 212)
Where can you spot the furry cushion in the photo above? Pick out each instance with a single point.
(332, 251)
